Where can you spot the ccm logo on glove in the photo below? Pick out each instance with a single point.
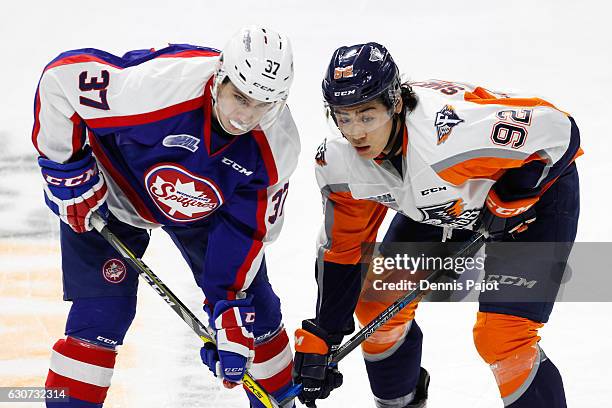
(506, 210)
(72, 181)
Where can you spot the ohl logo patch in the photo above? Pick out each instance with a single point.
(180, 195)
(446, 120)
(114, 270)
(451, 214)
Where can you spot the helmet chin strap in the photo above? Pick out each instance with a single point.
(395, 141)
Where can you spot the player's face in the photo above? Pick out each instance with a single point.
(367, 127)
(237, 112)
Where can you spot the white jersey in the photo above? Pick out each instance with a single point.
(458, 142)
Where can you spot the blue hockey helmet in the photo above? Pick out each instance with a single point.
(361, 73)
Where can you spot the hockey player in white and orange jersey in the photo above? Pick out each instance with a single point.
(186, 138)
(450, 158)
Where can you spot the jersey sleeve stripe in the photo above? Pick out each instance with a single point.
(105, 58)
(126, 188)
(482, 167)
(268, 157)
(78, 133)
(36, 129)
(247, 270)
(77, 59)
(572, 152)
(252, 262)
(476, 154)
(481, 96)
(354, 222)
(148, 117)
(191, 53)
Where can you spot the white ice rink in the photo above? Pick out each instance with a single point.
(560, 50)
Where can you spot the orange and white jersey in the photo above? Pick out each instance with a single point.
(459, 142)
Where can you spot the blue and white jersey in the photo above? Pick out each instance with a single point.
(147, 117)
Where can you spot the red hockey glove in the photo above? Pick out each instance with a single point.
(74, 190)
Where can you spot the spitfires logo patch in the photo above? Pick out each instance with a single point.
(446, 120)
(451, 214)
(180, 195)
(114, 270)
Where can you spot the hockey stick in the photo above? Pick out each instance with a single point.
(175, 303)
(470, 247)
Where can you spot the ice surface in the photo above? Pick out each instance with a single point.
(556, 49)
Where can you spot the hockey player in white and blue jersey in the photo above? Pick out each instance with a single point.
(198, 142)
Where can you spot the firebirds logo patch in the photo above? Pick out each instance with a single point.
(446, 120)
(180, 195)
(451, 214)
(114, 270)
(343, 72)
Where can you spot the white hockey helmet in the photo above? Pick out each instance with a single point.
(259, 63)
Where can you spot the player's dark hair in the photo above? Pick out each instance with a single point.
(408, 97)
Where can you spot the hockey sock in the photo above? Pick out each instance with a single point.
(394, 375)
(84, 369)
(545, 390)
(272, 367)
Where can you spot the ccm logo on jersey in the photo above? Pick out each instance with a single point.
(236, 166)
(72, 181)
(432, 190)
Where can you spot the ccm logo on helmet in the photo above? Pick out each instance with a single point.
(263, 87)
(344, 93)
